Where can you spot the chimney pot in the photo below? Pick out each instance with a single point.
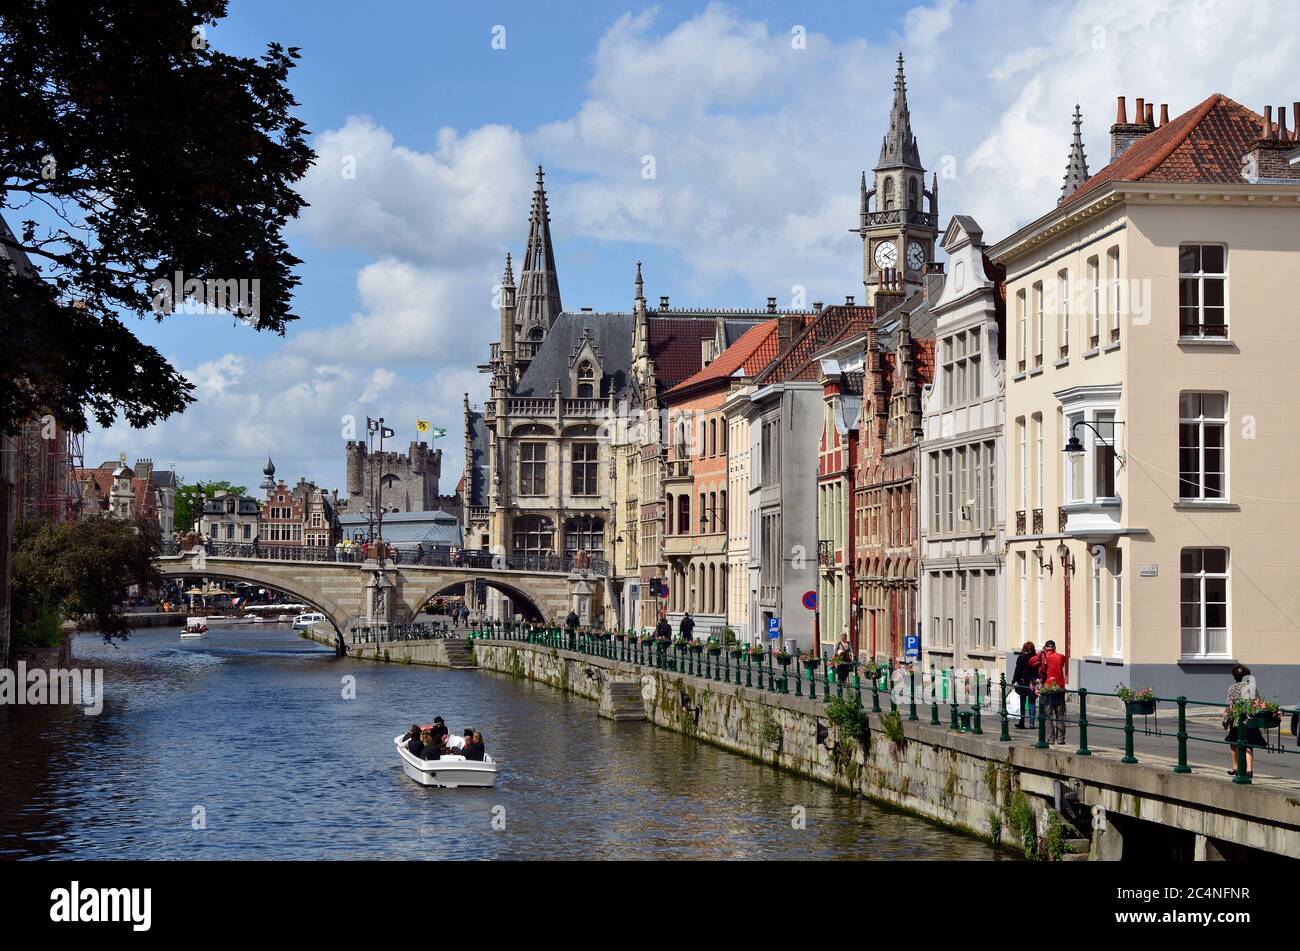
(1151, 114)
(771, 305)
(848, 300)
(1164, 113)
(1268, 123)
(1121, 112)
(1281, 123)
(663, 302)
(1140, 111)
(817, 307)
(1295, 121)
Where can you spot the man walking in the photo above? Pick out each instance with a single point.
(687, 626)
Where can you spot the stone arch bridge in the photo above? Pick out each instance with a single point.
(367, 592)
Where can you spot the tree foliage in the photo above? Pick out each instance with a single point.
(186, 509)
(131, 150)
(82, 569)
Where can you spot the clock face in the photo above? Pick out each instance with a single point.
(886, 254)
(915, 256)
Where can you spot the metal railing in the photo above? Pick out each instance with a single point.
(1141, 718)
(438, 558)
(383, 633)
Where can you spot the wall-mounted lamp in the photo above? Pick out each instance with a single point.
(1063, 553)
(1039, 552)
(1074, 446)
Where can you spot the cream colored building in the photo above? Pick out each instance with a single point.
(1152, 315)
(738, 592)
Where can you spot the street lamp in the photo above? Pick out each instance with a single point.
(1074, 446)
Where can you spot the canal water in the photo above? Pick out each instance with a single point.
(241, 745)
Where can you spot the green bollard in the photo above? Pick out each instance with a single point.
(952, 699)
(1083, 724)
(1042, 726)
(1182, 766)
(911, 704)
(934, 698)
(977, 728)
(1005, 735)
(1128, 736)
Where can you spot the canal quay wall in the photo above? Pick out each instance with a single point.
(1009, 795)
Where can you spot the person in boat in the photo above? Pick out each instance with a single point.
(473, 748)
(414, 745)
(439, 732)
(432, 749)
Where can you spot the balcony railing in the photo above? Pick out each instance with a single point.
(825, 553)
(677, 469)
(1204, 331)
(1020, 522)
(894, 216)
(1062, 518)
(1037, 527)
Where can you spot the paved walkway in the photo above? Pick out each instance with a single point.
(1207, 758)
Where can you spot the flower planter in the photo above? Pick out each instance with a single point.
(737, 654)
(1141, 708)
(715, 651)
(696, 648)
(783, 661)
(811, 664)
(1264, 721)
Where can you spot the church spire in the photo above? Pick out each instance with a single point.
(1076, 168)
(539, 286)
(899, 145)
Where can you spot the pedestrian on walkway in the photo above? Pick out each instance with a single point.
(687, 626)
(1023, 680)
(1051, 672)
(1243, 689)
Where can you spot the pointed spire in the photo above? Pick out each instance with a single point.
(539, 285)
(640, 285)
(508, 278)
(899, 145)
(862, 201)
(1076, 168)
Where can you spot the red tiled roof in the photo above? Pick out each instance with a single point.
(755, 349)
(1204, 144)
(833, 324)
(676, 347)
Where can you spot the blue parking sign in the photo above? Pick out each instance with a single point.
(773, 628)
(912, 646)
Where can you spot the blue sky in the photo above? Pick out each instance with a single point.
(757, 146)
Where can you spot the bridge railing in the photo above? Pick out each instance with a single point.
(431, 558)
(384, 633)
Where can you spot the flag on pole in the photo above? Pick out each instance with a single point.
(438, 431)
(421, 425)
(389, 433)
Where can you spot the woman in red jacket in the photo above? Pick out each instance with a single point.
(1051, 671)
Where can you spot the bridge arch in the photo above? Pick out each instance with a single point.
(533, 607)
(253, 574)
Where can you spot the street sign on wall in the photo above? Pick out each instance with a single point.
(810, 600)
(774, 628)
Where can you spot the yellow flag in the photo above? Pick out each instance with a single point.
(421, 425)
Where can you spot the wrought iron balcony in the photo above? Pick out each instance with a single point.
(826, 553)
(1020, 522)
(894, 216)
(1037, 528)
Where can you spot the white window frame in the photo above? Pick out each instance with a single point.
(1200, 421)
(1117, 579)
(1200, 276)
(1200, 577)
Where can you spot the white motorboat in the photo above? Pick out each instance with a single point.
(449, 771)
(304, 622)
(195, 627)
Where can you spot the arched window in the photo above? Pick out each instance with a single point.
(584, 533)
(913, 199)
(692, 604)
(535, 333)
(713, 437)
(704, 513)
(713, 511)
(671, 524)
(889, 194)
(713, 589)
(683, 515)
(534, 535)
(724, 435)
(586, 380)
(722, 504)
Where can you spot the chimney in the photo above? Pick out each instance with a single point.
(787, 325)
(1151, 115)
(663, 302)
(1268, 159)
(1295, 121)
(1164, 113)
(1124, 133)
(771, 305)
(848, 300)
(889, 293)
(817, 307)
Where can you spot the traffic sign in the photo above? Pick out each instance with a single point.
(810, 600)
(774, 628)
(912, 646)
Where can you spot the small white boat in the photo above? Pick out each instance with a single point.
(195, 627)
(450, 771)
(305, 622)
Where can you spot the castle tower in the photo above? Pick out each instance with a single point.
(899, 232)
(538, 301)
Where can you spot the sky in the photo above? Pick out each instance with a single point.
(718, 143)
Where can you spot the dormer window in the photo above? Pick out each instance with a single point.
(586, 380)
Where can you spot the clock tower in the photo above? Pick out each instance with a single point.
(898, 232)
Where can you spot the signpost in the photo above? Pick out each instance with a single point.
(810, 600)
(912, 647)
(773, 628)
